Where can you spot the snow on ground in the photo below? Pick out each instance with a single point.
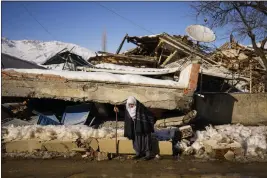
(250, 138)
(102, 76)
(51, 132)
(38, 51)
(68, 132)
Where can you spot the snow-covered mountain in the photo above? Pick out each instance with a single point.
(39, 51)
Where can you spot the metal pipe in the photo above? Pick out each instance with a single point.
(116, 133)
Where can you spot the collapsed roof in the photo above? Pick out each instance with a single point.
(69, 60)
(175, 51)
(164, 51)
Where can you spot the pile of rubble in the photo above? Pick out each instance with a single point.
(235, 64)
(230, 142)
(243, 61)
(164, 56)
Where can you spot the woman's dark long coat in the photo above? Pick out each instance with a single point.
(142, 125)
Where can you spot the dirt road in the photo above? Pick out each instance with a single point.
(72, 168)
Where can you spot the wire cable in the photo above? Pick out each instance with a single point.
(45, 29)
(132, 22)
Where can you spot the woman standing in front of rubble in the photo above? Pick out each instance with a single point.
(139, 124)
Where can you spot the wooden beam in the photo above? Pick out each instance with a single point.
(169, 58)
(119, 49)
(188, 49)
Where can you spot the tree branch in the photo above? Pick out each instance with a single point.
(263, 43)
(259, 6)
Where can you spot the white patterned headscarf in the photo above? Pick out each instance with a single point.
(131, 111)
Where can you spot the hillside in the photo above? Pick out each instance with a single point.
(39, 51)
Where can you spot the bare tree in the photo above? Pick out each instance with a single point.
(244, 18)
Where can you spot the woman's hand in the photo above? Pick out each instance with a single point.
(116, 109)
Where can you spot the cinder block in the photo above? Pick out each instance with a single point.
(165, 148)
(126, 147)
(93, 143)
(79, 149)
(23, 146)
(60, 146)
(107, 145)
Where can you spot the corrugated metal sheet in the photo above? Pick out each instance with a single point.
(8, 61)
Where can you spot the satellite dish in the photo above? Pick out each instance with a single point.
(200, 33)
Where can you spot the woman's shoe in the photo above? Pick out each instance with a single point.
(147, 158)
(136, 157)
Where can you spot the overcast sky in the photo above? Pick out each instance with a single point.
(83, 23)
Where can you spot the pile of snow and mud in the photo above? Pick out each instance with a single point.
(230, 141)
(237, 139)
(51, 132)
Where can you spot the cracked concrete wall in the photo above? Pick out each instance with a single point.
(225, 108)
(54, 87)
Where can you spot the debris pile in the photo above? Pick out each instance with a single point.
(235, 65)
(164, 56)
(176, 121)
(231, 142)
(243, 61)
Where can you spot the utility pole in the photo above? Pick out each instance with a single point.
(104, 41)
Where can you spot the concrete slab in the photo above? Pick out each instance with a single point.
(165, 148)
(23, 146)
(16, 84)
(107, 145)
(126, 147)
(60, 146)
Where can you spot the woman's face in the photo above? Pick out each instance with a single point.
(131, 105)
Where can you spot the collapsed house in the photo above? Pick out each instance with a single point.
(164, 72)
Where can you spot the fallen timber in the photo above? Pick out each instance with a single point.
(16, 84)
